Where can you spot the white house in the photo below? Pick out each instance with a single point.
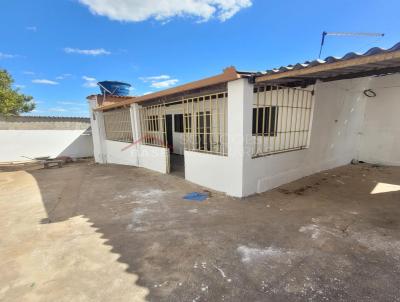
(248, 132)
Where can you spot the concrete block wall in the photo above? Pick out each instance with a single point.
(22, 138)
(380, 135)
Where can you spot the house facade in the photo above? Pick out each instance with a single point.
(248, 132)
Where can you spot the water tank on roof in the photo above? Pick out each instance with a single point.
(114, 88)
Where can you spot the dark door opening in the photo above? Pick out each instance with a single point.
(176, 161)
(170, 137)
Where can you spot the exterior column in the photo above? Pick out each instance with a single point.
(135, 118)
(98, 133)
(136, 135)
(240, 98)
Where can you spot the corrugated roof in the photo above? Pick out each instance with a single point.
(331, 59)
(375, 61)
(382, 62)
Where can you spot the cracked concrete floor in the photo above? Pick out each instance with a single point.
(115, 233)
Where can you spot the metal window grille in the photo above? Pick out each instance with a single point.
(205, 123)
(118, 125)
(281, 119)
(153, 125)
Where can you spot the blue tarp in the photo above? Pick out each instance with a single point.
(196, 196)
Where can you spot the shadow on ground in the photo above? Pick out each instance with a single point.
(322, 238)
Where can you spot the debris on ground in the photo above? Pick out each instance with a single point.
(53, 163)
(299, 191)
(65, 159)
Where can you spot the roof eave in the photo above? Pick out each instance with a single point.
(229, 74)
(328, 67)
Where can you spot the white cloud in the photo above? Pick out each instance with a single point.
(71, 103)
(164, 84)
(44, 81)
(6, 56)
(89, 82)
(162, 10)
(160, 81)
(63, 76)
(19, 86)
(89, 52)
(31, 28)
(86, 78)
(58, 109)
(29, 72)
(155, 78)
(37, 111)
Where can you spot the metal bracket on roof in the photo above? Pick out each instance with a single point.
(345, 34)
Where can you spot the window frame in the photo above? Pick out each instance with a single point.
(267, 125)
(153, 123)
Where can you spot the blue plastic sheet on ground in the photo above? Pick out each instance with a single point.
(196, 196)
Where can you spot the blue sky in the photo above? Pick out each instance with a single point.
(57, 50)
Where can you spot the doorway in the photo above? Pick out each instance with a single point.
(177, 162)
(170, 135)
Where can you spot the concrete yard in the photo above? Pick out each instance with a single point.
(89, 232)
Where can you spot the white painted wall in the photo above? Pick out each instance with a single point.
(337, 121)
(208, 170)
(15, 144)
(121, 153)
(380, 137)
(154, 158)
(225, 173)
(345, 125)
(149, 157)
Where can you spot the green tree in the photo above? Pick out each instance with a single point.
(12, 102)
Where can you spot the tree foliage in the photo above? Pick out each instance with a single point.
(12, 102)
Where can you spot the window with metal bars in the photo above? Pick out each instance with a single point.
(264, 121)
(205, 123)
(281, 119)
(152, 125)
(187, 123)
(118, 125)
